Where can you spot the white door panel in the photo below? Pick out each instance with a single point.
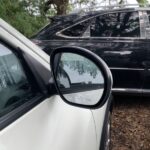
(52, 125)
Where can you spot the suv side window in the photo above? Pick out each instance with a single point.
(77, 30)
(121, 24)
(15, 87)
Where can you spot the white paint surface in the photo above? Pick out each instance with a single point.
(52, 125)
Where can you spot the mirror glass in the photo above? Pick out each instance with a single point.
(79, 79)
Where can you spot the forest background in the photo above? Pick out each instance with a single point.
(28, 16)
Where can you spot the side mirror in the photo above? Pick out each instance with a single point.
(81, 77)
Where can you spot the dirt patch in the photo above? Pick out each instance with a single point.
(131, 124)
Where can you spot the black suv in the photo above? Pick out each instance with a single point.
(121, 37)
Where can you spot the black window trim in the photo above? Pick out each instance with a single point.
(60, 34)
(19, 111)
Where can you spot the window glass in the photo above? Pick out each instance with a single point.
(116, 25)
(44, 34)
(15, 88)
(77, 30)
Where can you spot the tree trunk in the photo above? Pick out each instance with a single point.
(61, 6)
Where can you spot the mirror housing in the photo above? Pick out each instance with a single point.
(64, 74)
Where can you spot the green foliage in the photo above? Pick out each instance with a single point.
(15, 12)
(142, 2)
(28, 15)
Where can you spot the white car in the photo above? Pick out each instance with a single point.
(57, 103)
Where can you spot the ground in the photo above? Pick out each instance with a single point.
(130, 124)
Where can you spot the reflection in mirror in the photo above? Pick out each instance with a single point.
(79, 80)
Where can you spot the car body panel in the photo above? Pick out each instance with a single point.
(124, 57)
(52, 124)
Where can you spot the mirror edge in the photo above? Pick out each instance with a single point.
(98, 61)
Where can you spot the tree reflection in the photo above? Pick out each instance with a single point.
(116, 25)
(77, 30)
(82, 67)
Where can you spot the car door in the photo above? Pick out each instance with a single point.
(32, 120)
(146, 63)
(117, 38)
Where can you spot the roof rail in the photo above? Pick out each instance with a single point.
(106, 7)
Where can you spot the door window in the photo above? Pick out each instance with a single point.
(77, 30)
(15, 87)
(119, 24)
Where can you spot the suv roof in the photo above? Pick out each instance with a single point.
(74, 17)
(118, 6)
